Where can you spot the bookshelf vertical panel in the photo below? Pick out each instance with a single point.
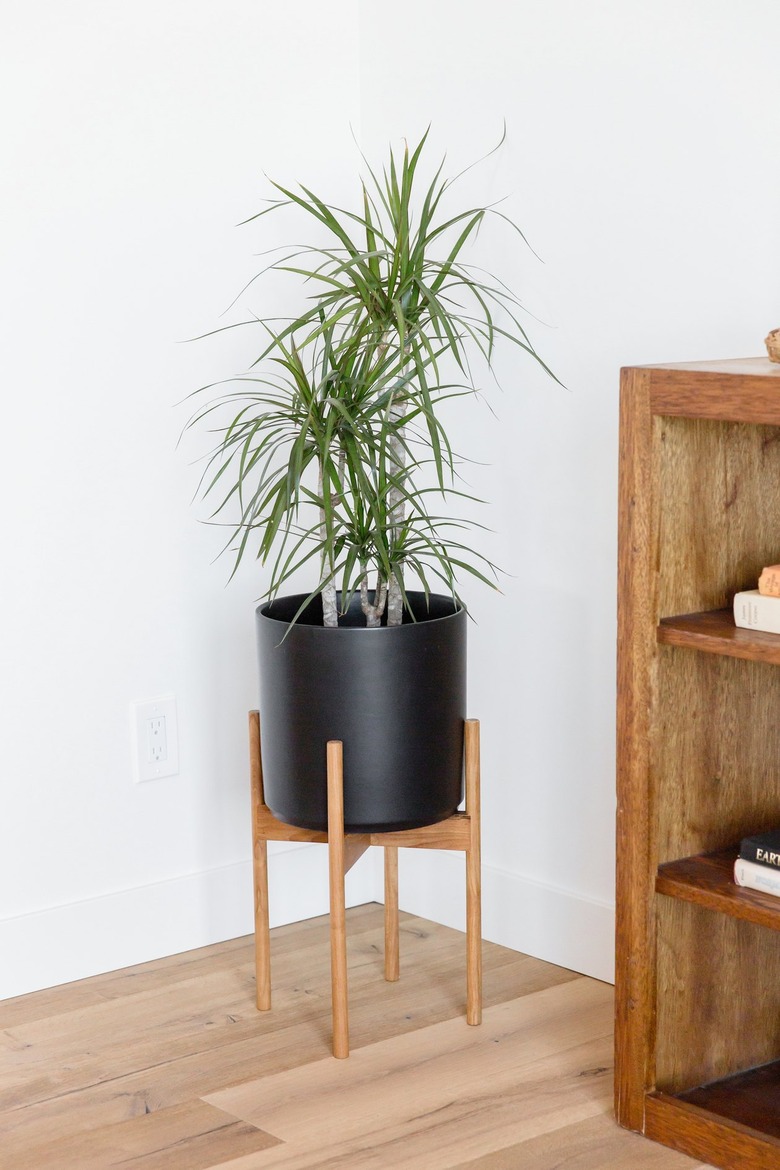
(718, 998)
(716, 750)
(719, 510)
(636, 857)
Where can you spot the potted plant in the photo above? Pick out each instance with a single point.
(334, 455)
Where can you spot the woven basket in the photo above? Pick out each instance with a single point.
(772, 342)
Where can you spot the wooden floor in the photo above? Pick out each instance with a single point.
(168, 1066)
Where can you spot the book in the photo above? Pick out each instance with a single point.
(757, 877)
(769, 581)
(762, 848)
(754, 611)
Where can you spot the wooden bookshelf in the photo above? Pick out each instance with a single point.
(697, 1032)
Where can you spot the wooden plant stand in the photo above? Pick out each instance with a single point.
(460, 831)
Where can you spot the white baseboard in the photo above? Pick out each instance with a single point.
(545, 921)
(73, 941)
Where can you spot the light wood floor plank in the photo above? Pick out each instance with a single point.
(194, 1136)
(299, 1102)
(594, 1144)
(127, 981)
(95, 1044)
(430, 1097)
(94, 1070)
(168, 1066)
(131, 981)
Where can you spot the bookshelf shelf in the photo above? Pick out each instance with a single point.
(714, 632)
(746, 1104)
(697, 1024)
(749, 1098)
(707, 880)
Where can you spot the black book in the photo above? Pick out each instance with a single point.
(763, 848)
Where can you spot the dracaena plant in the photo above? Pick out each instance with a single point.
(335, 453)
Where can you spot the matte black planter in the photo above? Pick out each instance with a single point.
(395, 697)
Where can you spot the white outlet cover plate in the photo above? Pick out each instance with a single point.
(141, 712)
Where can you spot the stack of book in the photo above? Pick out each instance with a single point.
(758, 864)
(759, 609)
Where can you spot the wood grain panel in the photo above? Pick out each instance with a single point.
(594, 1144)
(749, 1098)
(719, 502)
(446, 1092)
(392, 949)
(117, 985)
(192, 1136)
(702, 1135)
(473, 781)
(715, 747)
(714, 632)
(718, 1011)
(716, 751)
(531, 1088)
(74, 1061)
(338, 912)
(745, 390)
(636, 850)
(454, 833)
(708, 880)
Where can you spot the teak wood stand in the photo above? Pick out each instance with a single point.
(460, 831)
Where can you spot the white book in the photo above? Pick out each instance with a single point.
(755, 611)
(757, 877)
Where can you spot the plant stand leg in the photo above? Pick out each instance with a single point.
(473, 876)
(260, 861)
(338, 921)
(391, 914)
(461, 832)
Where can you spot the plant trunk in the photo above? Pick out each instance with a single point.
(373, 611)
(330, 609)
(395, 605)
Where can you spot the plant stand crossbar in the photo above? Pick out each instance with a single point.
(461, 831)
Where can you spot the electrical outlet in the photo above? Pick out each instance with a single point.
(157, 740)
(155, 736)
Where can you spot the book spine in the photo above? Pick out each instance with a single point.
(756, 877)
(767, 858)
(754, 612)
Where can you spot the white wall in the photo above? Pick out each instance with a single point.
(133, 139)
(641, 163)
(640, 160)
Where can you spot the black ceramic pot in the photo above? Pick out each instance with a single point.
(395, 697)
